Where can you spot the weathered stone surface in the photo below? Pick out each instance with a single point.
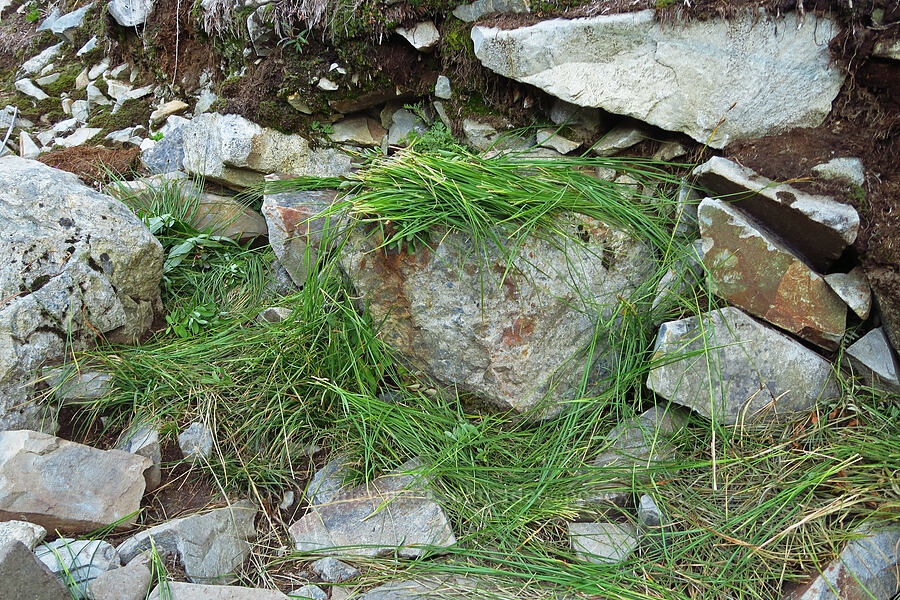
(261, 30)
(327, 482)
(513, 340)
(871, 356)
(79, 137)
(78, 263)
(130, 13)
(70, 384)
(163, 111)
(361, 131)
(63, 485)
(550, 139)
(433, 587)
(68, 24)
(196, 442)
(22, 575)
(296, 233)
(853, 289)
(618, 139)
(235, 152)
(27, 147)
(442, 88)
(78, 562)
(816, 226)
(752, 269)
(757, 372)
(142, 438)
(131, 582)
(190, 591)
(479, 8)
(27, 87)
(649, 515)
(211, 546)
(309, 592)
(333, 570)
(274, 314)
(167, 154)
(422, 36)
(393, 513)
(679, 76)
(847, 169)
(27, 533)
(603, 543)
(404, 125)
(867, 569)
(39, 61)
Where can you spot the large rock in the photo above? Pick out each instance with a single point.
(174, 590)
(130, 13)
(690, 77)
(603, 543)
(735, 370)
(867, 569)
(815, 226)
(21, 531)
(210, 546)
(752, 269)
(22, 575)
(78, 562)
(433, 587)
(516, 340)
(59, 484)
(78, 263)
(131, 582)
(233, 151)
(393, 513)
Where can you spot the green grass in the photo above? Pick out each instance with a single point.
(749, 510)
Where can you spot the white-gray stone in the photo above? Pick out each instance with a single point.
(81, 111)
(422, 36)
(6, 119)
(582, 117)
(78, 562)
(131, 582)
(96, 97)
(359, 131)
(273, 314)
(649, 514)
(442, 88)
(68, 24)
(130, 13)
(211, 546)
(846, 169)
(261, 30)
(853, 289)
(47, 79)
(59, 235)
(70, 384)
(309, 592)
(479, 8)
(327, 85)
(205, 101)
(99, 69)
(887, 49)
(326, 483)
(617, 139)
(27, 87)
(549, 138)
(757, 373)
(404, 124)
(175, 590)
(196, 442)
(36, 63)
(88, 46)
(164, 111)
(118, 90)
(79, 137)
(27, 533)
(681, 76)
(872, 357)
(333, 570)
(142, 438)
(27, 147)
(603, 543)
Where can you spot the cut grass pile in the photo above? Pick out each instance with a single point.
(747, 510)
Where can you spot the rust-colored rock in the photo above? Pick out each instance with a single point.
(752, 269)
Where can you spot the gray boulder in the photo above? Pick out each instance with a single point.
(21, 531)
(210, 546)
(167, 154)
(39, 61)
(327, 482)
(78, 562)
(130, 13)
(516, 337)
(142, 438)
(603, 543)
(309, 592)
(196, 442)
(758, 373)
(333, 570)
(682, 76)
(174, 590)
(433, 587)
(872, 357)
(393, 513)
(60, 484)
(131, 582)
(79, 263)
(22, 575)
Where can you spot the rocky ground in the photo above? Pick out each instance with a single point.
(426, 299)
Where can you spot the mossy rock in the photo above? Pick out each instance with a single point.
(66, 81)
(130, 113)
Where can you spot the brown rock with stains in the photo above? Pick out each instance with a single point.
(517, 337)
(752, 269)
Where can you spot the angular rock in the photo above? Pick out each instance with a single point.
(333, 570)
(618, 139)
(167, 154)
(142, 439)
(6, 119)
(36, 63)
(631, 64)
(393, 513)
(27, 87)
(99, 69)
(163, 111)
(88, 46)
(175, 590)
(405, 124)
(442, 88)
(72, 385)
(130, 13)
(550, 139)
(196, 442)
(327, 85)
(58, 236)
(210, 546)
(27, 533)
(872, 357)
(846, 169)
(753, 270)
(131, 582)
(422, 36)
(327, 482)
(649, 515)
(868, 568)
(759, 373)
(237, 153)
(479, 8)
(309, 592)
(63, 485)
(685, 273)
(581, 117)
(96, 97)
(81, 111)
(514, 340)
(47, 79)
(78, 562)
(68, 24)
(27, 147)
(261, 30)
(853, 289)
(118, 90)
(79, 137)
(22, 575)
(816, 226)
(360, 131)
(603, 543)
(297, 233)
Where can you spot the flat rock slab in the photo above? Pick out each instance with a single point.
(393, 513)
(515, 337)
(872, 356)
(679, 76)
(22, 575)
(210, 546)
(431, 587)
(603, 543)
(752, 269)
(817, 227)
(757, 373)
(78, 562)
(63, 485)
(131, 582)
(867, 569)
(191, 591)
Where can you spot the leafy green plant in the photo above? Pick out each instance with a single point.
(32, 12)
(319, 127)
(296, 41)
(187, 322)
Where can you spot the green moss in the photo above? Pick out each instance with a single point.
(101, 85)
(65, 82)
(130, 113)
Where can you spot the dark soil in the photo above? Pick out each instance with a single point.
(94, 165)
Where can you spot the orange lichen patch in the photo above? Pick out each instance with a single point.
(521, 328)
